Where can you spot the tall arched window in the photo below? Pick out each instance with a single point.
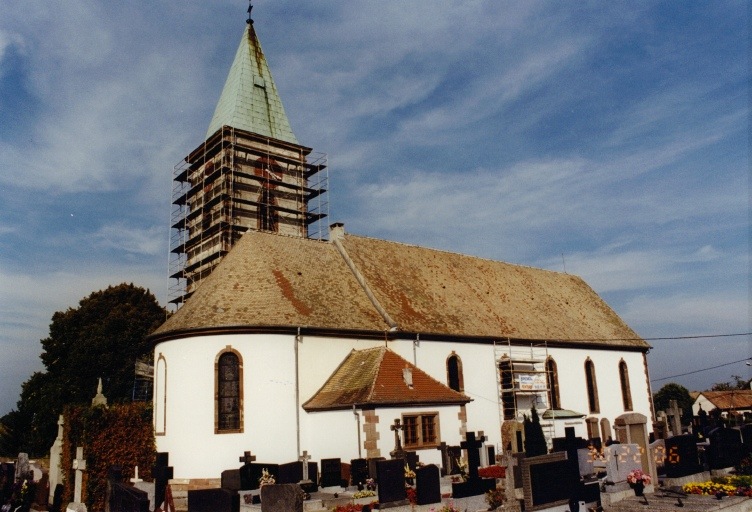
(229, 392)
(160, 396)
(626, 393)
(455, 379)
(552, 375)
(507, 389)
(592, 386)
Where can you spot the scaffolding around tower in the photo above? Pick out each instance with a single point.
(236, 181)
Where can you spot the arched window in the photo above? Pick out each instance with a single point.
(229, 392)
(455, 378)
(160, 396)
(552, 375)
(507, 389)
(626, 393)
(592, 386)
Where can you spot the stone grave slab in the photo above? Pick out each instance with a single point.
(725, 448)
(681, 456)
(358, 471)
(428, 484)
(620, 460)
(331, 473)
(391, 478)
(231, 479)
(548, 480)
(213, 500)
(412, 459)
(281, 498)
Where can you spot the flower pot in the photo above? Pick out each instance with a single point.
(639, 488)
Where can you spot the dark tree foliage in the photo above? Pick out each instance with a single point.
(535, 441)
(738, 383)
(102, 337)
(673, 391)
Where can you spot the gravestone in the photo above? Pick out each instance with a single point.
(213, 500)
(398, 452)
(57, 499)
(281, 498)
(79, 465)
(633, 427)
(55, 455)
(725, 448)
(121, 497)
(331, 473)
(681, 456)
(428, 484)
(605, 430)
(358, 471)
(445, 462)
(620, 460)
(455, 455)
(162, 474)
(673, 416)
(746, 432)
(391, 478)
(548, 480)
(230, 480)
(473, 485)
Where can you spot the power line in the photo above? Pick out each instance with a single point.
(702, 370)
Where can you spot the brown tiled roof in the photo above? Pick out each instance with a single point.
(374, 377)
(270, 280)
(729, 400)
(431, 291)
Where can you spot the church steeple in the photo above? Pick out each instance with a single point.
(250, 174)
(249, 99)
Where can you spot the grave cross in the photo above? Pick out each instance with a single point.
(472, 446)
(79, 464)
(247, 458)
(136, 479)
(304, 458)
(396, 428)
(445, 462)
(674, 414)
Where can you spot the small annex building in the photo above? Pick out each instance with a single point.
(285, 342)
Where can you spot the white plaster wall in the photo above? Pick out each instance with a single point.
(269, 397)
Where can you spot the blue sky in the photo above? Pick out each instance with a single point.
(607, 139)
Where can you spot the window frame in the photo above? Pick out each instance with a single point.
(454, 357)
(420, 426)
(592, 386)
(626, 390)
(239, 428)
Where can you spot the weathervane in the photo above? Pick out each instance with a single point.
(250, 8)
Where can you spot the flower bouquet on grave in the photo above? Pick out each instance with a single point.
(495, 498)
(266, 478)
(637, 480)
(409, 475)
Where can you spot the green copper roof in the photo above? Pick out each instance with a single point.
(249, 100)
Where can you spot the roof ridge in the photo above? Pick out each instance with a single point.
(374, 380)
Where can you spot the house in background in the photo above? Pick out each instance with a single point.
(729, 403)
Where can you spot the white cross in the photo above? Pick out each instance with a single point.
(79, 464)
(305, 458)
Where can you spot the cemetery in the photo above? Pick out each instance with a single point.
(705, 466)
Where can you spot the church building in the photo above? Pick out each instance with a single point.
(291, 338)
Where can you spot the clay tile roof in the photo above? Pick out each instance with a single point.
(729, 400)
(430, 291)
(375, 377)
(270, 280)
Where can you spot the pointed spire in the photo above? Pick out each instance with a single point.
(249, 99)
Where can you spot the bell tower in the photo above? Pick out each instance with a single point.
(249, 173)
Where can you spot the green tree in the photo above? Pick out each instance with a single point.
(102, 337)
(535, 441)
(737, 383)
(673, 391)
